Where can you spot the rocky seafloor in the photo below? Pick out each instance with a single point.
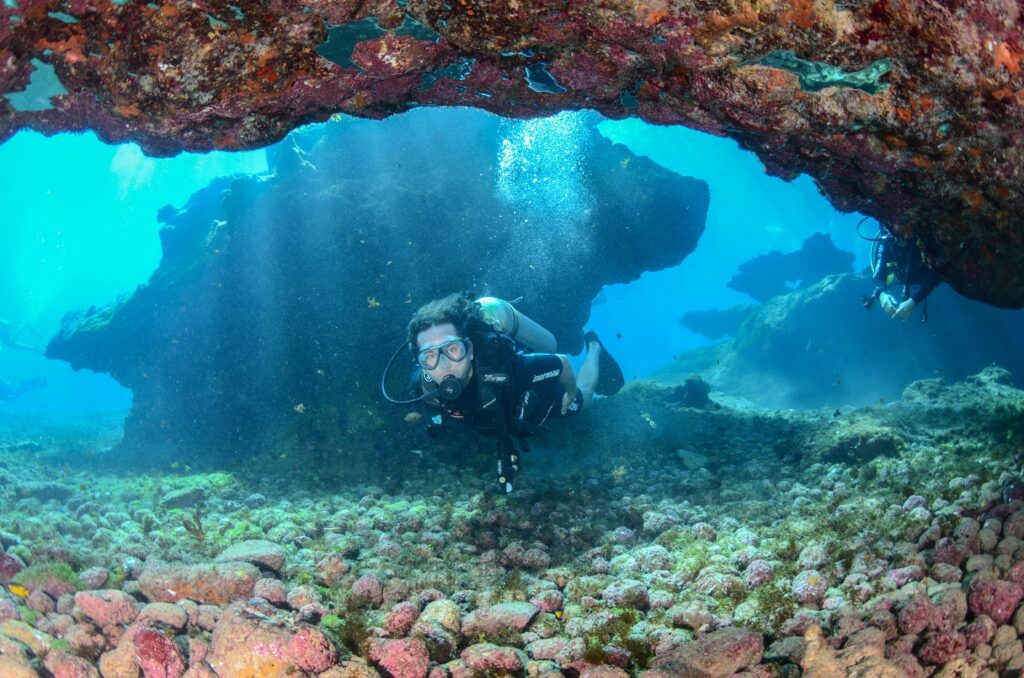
(879, 541)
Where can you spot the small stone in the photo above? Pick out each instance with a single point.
(164, 614)
(996, 598)
(255, 551)
(486, 658)
(107, 607)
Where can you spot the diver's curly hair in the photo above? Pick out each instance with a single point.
(456, 309)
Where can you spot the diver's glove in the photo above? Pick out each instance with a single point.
(904, 310)
(888, 303)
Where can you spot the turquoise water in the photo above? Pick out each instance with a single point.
(82, 229)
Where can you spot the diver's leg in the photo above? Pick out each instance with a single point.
(17, 343)
(589, 372)
(28, 328)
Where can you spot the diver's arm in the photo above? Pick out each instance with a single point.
(880, 274)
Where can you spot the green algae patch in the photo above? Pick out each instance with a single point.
(617, 631)
(34, 639)
(815, 75)
(39, 575)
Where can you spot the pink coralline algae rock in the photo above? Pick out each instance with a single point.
(64, 665)
(908, 664)
(758, 572)
(400, 619)
(487, 658)
(979, 631)
(368, 590)
(603, 671)
(244, 645)
(996, 598)
(1016, 572)
(914, 501)
(85, 640)
(548, 601)
(107, 607)
(40, 602)
(8, 609)
(941, 647)
(331, 569)
(916, 615)
(535, 559)
(497, 619)
(9, 566)
(809, 586)
(950, 610)
(300, 596)
(719, 653)
(702, 530)
(255, 551)
(627, 593)
(546, 648)
(901, 575)
(164, 614)
(94, 578)
(157, 655)
(271, 590)
(812, 556)
(216, 584)
(407, 658)
(947, 551)
(1014, 525)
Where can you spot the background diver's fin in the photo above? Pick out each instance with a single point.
(609, 379)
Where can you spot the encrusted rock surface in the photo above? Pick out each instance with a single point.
(909, 111)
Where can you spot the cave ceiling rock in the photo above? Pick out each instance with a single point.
(905, 110)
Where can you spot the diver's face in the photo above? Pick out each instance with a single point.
(437, 336)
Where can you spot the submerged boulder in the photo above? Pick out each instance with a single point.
(280, 298)
(818, 347)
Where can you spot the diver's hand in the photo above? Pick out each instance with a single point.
(888, 303)
(905, 309)
(567, 399)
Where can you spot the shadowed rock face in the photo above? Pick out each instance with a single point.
(279, 299)
(817, 347)
(905, 110)
(774, 273)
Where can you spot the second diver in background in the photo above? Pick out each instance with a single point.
(898, 265)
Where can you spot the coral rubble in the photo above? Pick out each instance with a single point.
(755, 556)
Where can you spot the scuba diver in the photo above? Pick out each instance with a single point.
(12, 339)
(900, 261)
(9, 393)
(469, 364)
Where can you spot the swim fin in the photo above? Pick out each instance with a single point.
(609, 378)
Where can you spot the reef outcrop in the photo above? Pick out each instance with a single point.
(819, 348)
(908, 111)
(774, 273)
(280, 298)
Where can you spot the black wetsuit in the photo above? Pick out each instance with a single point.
(536, 395)
(899, 261)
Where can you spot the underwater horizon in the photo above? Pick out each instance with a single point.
(200, 476)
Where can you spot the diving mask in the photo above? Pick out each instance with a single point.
(454, 350)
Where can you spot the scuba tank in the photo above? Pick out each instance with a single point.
(505, 319)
